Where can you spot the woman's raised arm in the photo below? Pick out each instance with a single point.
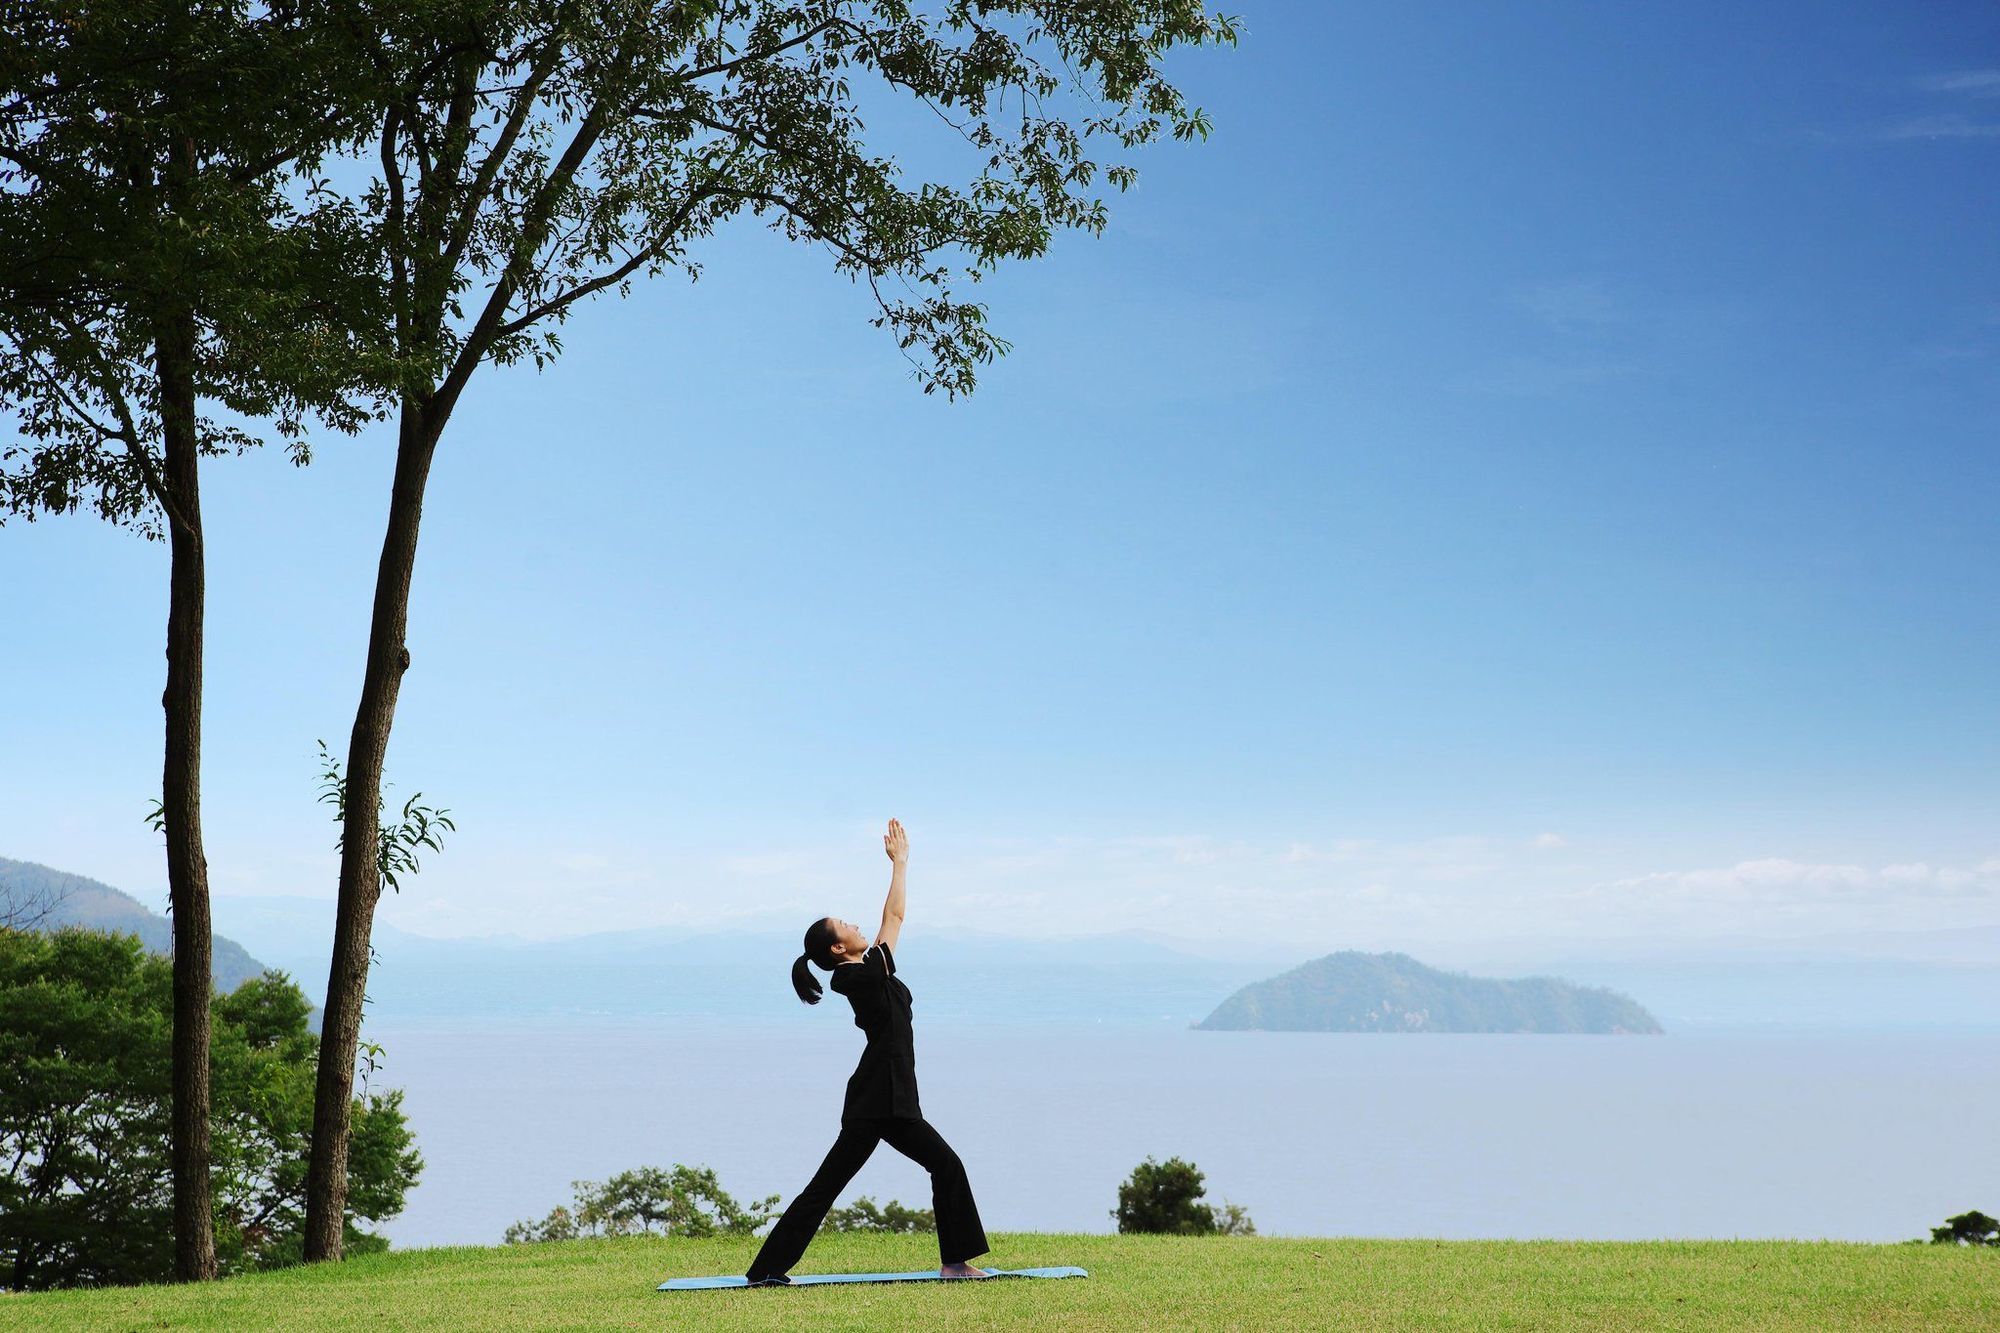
(897, 844)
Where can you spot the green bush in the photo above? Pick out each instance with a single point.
(864, 1215)
(1973, 1228)
(1164, 1197)
(690, 1201)
(680, 1201)
(86, 1188)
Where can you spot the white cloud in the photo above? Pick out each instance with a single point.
(1975, 84)
(1300, 892)
(1778, 879)
(763, 865)
(1948, 125)
(1781, 894)
(1970, 82)
(1340, 849)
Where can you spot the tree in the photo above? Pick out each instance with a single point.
(1973, 1228)
(864, 1215)
(149, 260)
(681, 1201)
(86, 1194)
(1165, 1197)
(530, 154)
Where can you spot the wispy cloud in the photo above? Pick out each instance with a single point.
(1576, 331)
(1946, 353)
(1946, 125)
(1379, 893)
(1310, 893)
(1970, 82)
(1779, 893)
(764, 865)
(1774, 878)
(1954, 88)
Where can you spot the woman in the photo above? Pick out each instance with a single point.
(881, 1094)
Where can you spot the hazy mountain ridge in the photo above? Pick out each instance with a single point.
(664, 972)
(1393, 992)
(79, 901)
(1894, 980)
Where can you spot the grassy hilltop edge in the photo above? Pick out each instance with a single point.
(1136, 1282)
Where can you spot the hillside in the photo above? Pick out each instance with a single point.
(85, 902)
(1393, 992)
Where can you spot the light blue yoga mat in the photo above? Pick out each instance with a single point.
(816, 1279)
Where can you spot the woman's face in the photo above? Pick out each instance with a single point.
(849, 941)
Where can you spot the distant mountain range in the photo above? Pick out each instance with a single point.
(664, 973)
(1393, 992)
(1889, 981)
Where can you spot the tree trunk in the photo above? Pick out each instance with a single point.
(180, 795)
(360, 874)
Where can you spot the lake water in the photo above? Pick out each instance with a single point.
(1849, 1136)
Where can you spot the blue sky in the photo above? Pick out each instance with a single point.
(1530, 472)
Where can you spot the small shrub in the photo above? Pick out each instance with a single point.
(1165, 1198)
(683, 1201)
(1973, 1228)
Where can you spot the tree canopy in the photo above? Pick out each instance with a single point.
(531, 153)
(150, 160)
(1967, 1228)
(85, 1189)
(1165, 1197)
(677, 1201)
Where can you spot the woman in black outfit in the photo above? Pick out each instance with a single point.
(881, 1093)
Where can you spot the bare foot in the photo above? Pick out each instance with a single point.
(962, 1270)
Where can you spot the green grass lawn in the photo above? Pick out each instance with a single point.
(1135, 1282)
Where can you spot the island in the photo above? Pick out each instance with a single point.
(1393, 992)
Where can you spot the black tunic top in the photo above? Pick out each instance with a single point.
(885, 1082)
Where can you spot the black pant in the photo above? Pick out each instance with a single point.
(960, 1235)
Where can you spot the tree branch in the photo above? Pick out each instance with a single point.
(399, 270)
(76, 409)
(451, 161)
(574, 294)
(651, 250)
(820, 232)
(250, 171)
(540, 213)
(489, 168)
(753, 57)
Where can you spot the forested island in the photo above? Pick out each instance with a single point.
(1393, 992)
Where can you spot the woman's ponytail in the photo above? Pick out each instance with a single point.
(820, 939)
(803, 981)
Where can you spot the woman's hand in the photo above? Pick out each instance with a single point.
(896, 843)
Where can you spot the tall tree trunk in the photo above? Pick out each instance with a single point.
(360, 874)
(180, 784)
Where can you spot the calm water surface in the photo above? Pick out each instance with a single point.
(1845, 1136)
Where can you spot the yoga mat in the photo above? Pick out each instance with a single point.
(816, 1279)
